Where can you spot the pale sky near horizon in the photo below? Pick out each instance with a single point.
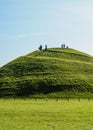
(25, 24)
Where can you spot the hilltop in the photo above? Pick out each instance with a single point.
(54, 72)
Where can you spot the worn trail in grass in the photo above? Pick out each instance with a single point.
(46, 115)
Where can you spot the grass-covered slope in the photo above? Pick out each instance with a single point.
(56, 71)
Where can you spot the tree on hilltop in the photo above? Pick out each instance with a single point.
(63, 46)
(40, 48)
(45, 47)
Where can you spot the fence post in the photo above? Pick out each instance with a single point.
(79, 99)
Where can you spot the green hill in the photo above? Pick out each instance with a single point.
(55, 72)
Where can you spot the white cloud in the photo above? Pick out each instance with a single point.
(31, 34)
(36, 34)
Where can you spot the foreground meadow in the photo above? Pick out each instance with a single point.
(46, 115)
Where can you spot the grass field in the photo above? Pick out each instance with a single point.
(46, 115)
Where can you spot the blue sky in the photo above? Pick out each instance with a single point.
(25, 24)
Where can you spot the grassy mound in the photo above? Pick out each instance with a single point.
(57, 71)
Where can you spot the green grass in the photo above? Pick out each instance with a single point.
(46, 72)
(46, 115)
